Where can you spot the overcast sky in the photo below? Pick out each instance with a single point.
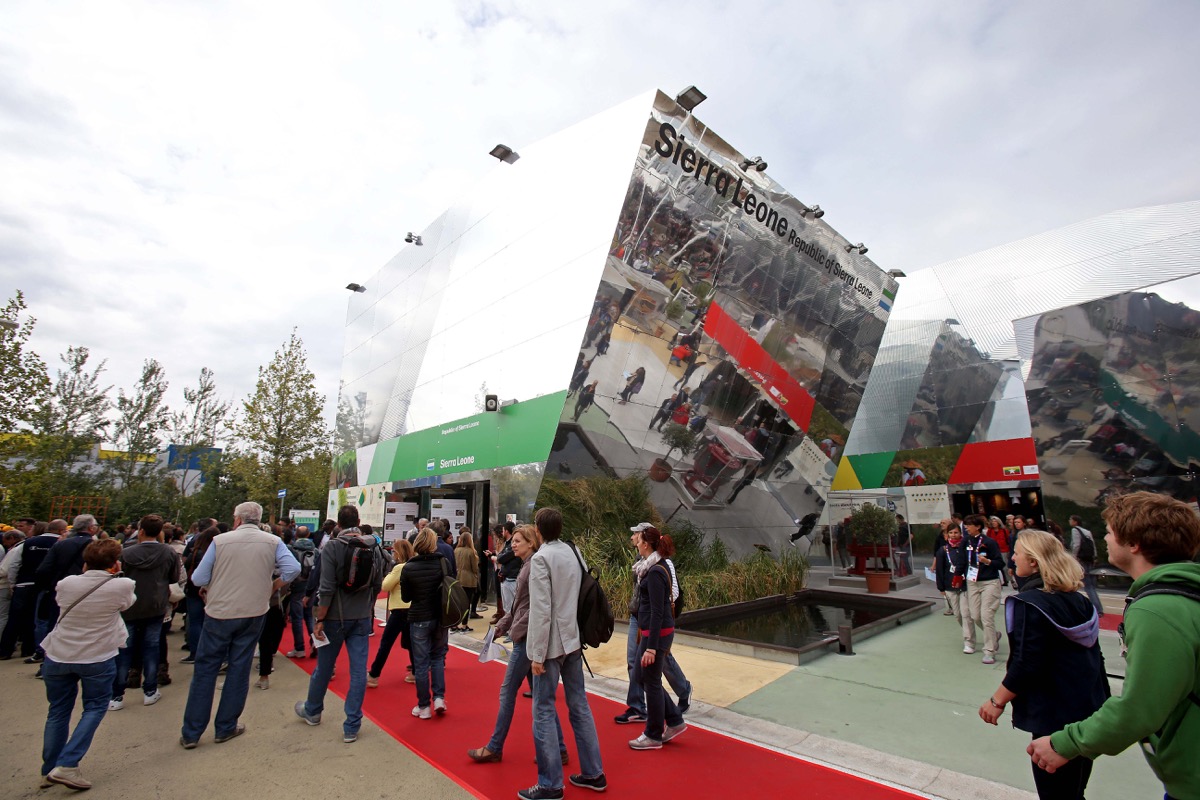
(187, 181)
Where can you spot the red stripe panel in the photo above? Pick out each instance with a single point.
(986, 461)
(748, 354)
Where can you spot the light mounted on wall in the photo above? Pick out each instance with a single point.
(856, 248)
(412, 238)
(897, 273)
(504, 153)
(356, 287)
(690, 97)
(815, 212)
(756, 162)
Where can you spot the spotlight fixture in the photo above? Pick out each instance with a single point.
(412, 238)
(755, 162)
(815, 212)
(690, 97)
(856, 248)
(356, 287)
(897, 273)
(504, 153)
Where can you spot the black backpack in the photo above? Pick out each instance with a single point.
(594, 615)
(1158, 587)
(1087, 546)
(454, 602)
(357, 569)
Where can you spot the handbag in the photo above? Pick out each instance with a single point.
(175, 592)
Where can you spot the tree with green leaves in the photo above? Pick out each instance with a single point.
(201, 424)
(22, 373)
(135, 478)
(281, 427)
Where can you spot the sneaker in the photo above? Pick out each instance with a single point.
(439, 705)
(72, 778)
(372, 681)
(422, 712)
(238, 730)
(296, 654)
(311, 719)
(540, 793)
(947, 613)
(481, 755)
(186, 745)
(116, 704)
(188, 659)
(350, 738)
(685, 701)
(988, 658)
(263, 682)
(35, 659)
(629, 716)
(38, 674)
(152, 698)
(672, 731)
(596, 784)
(968, 649)
(644, 742)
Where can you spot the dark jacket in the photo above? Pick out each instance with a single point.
(421, 587)
(1055, 669)
(447, 552)
(65, 558)
(33, 552)
(949, 556)
(654, 604)
(151, 565)
(986, 546)
(334, 560)
(507, 561)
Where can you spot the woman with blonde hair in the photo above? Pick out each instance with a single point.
(397, 617)
(525, 542)
(421, 587)
(1055, 673)
(467, 561)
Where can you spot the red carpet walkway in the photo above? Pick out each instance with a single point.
(697, 764)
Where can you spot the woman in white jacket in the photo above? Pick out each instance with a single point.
(81, 651)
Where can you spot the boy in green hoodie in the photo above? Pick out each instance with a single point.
(1153, 538)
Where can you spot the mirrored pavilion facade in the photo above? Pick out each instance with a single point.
(641, 298)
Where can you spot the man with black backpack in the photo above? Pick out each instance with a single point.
(300, 612)
(352, 568)
(1083, 547)
(1154, 538)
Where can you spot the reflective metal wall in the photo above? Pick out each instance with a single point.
(1114, 394)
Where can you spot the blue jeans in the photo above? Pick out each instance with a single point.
(636, 697)
(660, 709)
(547, 737)
(194, 606)
(148, 633)
(45, 618)
(301, 616)
(514, 676)
(430, 641)
(61, 687)
(353, 633)
(229, 641)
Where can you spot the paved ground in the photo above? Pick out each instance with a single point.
(902, 710)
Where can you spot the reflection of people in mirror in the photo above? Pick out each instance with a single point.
(913, 476)
(587, 396)
(633, 385)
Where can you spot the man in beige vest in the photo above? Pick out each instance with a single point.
(237, 576)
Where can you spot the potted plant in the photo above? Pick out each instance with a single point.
(675, 437)
(873, 527)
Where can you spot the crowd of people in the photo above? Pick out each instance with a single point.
(93, 610)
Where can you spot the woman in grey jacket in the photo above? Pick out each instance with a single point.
(81, 651)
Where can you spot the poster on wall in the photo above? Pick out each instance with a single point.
(369, 500)
(451, 509)
(398, 519)
(309, 519)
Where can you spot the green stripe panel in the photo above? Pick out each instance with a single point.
(872, 468)
(890, 295)
(518, 434)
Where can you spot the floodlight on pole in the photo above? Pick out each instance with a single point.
(690, 97)
(504, 153)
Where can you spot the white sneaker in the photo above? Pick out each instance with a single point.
(116, 704)
(439, 705)
(153, 698)
(968, 649)
(422, 712)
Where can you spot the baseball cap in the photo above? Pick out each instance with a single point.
(641, 526)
